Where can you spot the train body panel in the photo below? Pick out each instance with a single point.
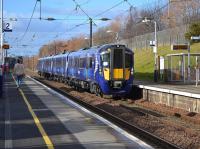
(105, 69)
(59, 65)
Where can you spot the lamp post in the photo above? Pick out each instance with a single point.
(117, 35)
(91, 32)
(154, 48)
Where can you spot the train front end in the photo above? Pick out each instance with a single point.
(116, 69)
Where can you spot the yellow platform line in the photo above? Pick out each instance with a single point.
(46, 138)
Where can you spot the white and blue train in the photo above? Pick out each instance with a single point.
(104, 70)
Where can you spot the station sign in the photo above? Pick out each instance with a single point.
(152, 43)
(180, 47)
(7, 26)
(195, 38)
(6, 46)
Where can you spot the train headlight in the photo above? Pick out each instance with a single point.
(132, 71)
(100, 71)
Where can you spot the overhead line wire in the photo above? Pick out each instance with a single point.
(158, 10)
(79, 6)
(29, 21)
(110, 8)
(76, 26)
(85, 22)
(96, 15)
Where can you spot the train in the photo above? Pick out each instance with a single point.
(103, 70)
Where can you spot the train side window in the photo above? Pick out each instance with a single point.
(81, 63)
(85, 65)
(70, 62)
(84, 62)
(78, 64)
(73, 62)
(59, 62)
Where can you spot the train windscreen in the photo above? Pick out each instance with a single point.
(105, 60)
(128, 60)
(118, 58)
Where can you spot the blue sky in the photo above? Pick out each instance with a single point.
(42, 32)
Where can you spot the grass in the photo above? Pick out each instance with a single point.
(144, 60)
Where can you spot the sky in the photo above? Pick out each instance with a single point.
(67, 14)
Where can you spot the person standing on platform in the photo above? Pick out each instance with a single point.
(19, 72)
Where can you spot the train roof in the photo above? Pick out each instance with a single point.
(88, 51)
(55, 56)
(96, 49)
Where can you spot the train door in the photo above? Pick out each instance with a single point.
(90, 68)
(63, 65)
(87, 67)
(106, 61)
(128, 65)
(117, 64)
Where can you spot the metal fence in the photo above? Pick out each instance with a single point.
(165, 38)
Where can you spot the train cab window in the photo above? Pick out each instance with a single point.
(128, 60)
(105, 58)
(117, 58)
(90, 62)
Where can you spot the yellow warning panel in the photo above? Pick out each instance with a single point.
(106, 72)
(127, 73)
(118, 73)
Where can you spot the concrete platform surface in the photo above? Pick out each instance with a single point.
(57, 123)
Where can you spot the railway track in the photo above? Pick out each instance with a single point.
(155, 141)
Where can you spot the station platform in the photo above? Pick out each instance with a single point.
(190, 90)
(35, 116)
(178, 95)
(173, 86)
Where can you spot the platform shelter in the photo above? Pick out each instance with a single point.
(183, 67)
